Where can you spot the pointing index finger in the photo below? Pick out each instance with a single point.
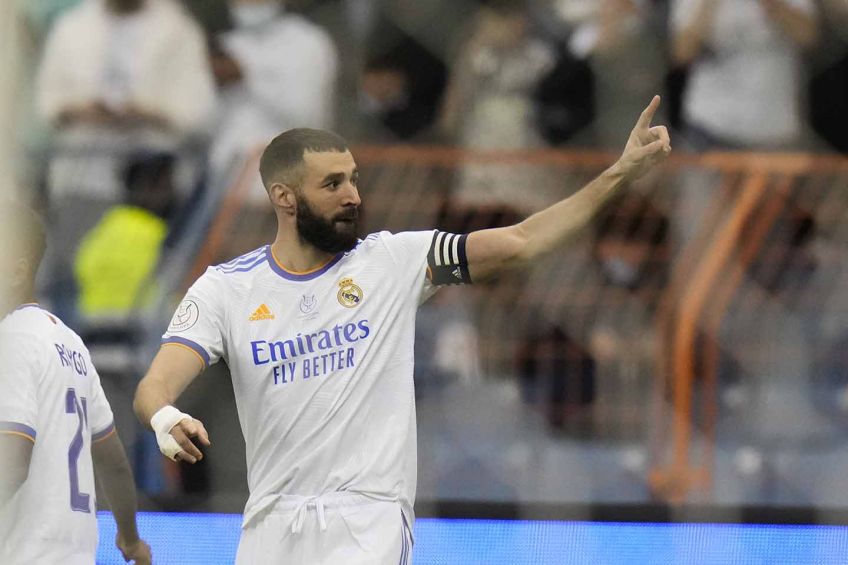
(648, 113)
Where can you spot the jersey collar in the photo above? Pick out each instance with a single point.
(299, 276)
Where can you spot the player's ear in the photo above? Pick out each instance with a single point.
(283, 197)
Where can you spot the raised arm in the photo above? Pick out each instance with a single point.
(113, 472)
(172, 370)
(495, 250)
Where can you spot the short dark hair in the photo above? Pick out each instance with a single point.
(144, 168)
(22, 232)
(285, 152)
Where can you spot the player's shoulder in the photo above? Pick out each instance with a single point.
(28, 319)
(221, 282)
(398, 245)
(243, 267)
(386, 237)
(27, 330)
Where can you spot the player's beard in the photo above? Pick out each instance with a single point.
(335, 235)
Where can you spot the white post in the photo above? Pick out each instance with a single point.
(10, 59)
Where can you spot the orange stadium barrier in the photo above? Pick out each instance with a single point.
(642, 327)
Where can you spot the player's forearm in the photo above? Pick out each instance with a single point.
(116, 479)
(171, 371)
(150, 396)
(554, 226)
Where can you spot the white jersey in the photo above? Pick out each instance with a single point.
(321, 363)
(50, 394)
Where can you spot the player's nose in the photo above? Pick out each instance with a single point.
(350, 196)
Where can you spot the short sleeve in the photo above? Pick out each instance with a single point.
(198, 322)
(436, 258)
(21, 368)
(100, 419)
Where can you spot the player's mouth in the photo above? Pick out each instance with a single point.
(348, 217)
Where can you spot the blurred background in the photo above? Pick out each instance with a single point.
(687, 354)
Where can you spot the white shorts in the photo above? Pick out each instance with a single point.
(334, 528)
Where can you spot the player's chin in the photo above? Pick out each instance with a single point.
(346, 235)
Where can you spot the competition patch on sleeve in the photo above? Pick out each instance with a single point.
(446, 259)
(185, 317)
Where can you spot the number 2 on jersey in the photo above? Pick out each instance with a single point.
(79, 500)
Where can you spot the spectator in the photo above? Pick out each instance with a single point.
(126, 71)
(619, 42)
(828, 95)
(558, 373)
(117, 76)
(489, 105)
(745, 66)
(401, 87)
(117, 259)
(489, 100)
(277, 71)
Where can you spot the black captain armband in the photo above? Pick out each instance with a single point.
(447, 262)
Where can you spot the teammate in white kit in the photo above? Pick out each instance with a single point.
(56, 425)
(317, 329)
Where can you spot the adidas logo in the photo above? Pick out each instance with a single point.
(261, 313)
(457, 273)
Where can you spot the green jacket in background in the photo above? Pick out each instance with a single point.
(116, 261)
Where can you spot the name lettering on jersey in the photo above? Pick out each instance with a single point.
(350, 295)
(73, 359)
(311, 355)
(261, 313)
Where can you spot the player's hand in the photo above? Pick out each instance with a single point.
(138, 551)
(647, 145)
(184, 432)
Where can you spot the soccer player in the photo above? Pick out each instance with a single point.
(56, 427)
(317, 330)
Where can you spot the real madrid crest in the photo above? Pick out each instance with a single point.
(350, 295)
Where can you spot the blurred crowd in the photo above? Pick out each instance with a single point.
(139, 111)
(122, 84)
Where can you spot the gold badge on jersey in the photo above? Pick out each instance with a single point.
(350, 295)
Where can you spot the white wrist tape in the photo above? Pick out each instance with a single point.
(162, 421)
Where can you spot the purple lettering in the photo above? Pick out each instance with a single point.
(363, 325)
(256, 347)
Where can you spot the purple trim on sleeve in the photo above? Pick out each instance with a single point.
(17, 427)
(190, 344)
(299, 277)
(97, 436)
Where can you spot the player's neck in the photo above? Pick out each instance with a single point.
(13, 301)
(297, 256)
